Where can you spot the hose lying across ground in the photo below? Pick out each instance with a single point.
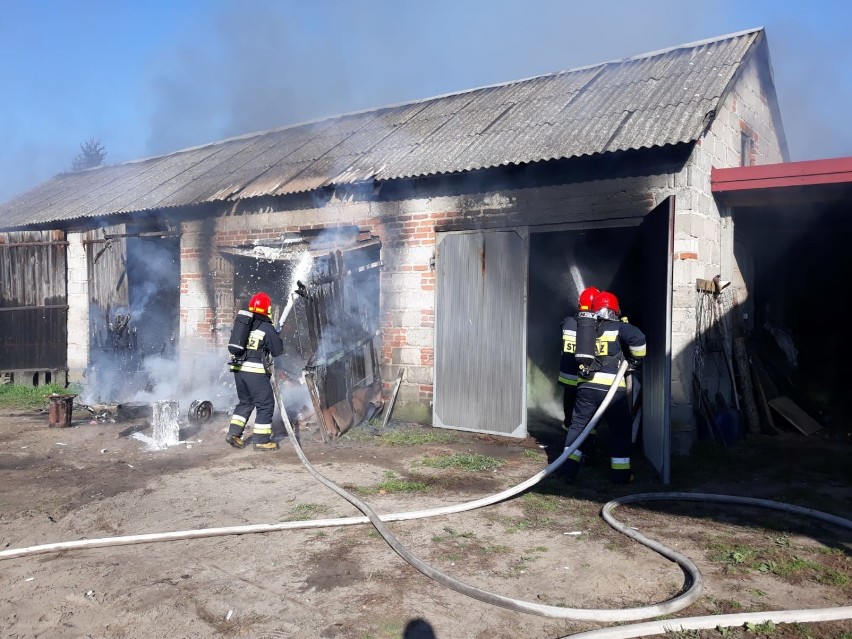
(693, 580)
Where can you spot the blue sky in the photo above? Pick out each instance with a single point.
(146, 78)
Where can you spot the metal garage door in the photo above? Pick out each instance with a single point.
(480, 332)
(658, 229)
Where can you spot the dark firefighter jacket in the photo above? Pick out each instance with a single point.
(262, 340)
(613, 341)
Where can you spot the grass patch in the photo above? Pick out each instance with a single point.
(385, 630)
(400, 437)
(538, 512)
(306, 512)
(532, 454)
(391, 484)
(831, 577)
(736, 557)
(20, 397)
(452, 533)
(416, 437)
(537, 549)
(779, 558)
(683, 634)
(463, 461)
(765, 628)
(725, 606)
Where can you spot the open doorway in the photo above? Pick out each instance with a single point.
(325, 292)
(799, 256)
(563, 263)
(134, 292)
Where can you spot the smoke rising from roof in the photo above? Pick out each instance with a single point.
(206, 71)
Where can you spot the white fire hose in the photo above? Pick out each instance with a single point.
(689, 594)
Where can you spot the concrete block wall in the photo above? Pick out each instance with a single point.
(78, 308)
(698, 225)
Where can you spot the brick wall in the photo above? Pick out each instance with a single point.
(407, 229)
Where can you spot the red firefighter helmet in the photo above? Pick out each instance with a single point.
(605, 299)
(584, 303)
(260, 303)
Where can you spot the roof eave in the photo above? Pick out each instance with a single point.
(784, 174)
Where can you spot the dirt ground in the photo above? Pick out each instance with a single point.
(548, 545)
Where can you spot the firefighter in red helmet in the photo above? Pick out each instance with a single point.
(610, 342)
(568, 364)
(250, 365)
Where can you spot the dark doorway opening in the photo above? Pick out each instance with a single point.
(562, 263)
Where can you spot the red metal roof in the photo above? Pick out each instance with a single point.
(785, 174)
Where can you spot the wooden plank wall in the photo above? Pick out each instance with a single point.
(33, 301)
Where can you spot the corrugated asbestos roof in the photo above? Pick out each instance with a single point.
(650, 100)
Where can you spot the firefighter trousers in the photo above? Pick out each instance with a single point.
(587, 400)
(254, 391)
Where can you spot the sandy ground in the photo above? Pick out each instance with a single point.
(548, 546)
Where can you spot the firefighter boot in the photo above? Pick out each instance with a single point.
(268, 445)
(621, 476)
(571, 467)
(235, 440)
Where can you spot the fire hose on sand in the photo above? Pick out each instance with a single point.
(692, 584)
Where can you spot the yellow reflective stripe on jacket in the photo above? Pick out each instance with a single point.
(603, 379)
(249, 367)
(638, 351)
(565, 378)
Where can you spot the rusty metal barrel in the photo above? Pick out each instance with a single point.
(61, 408)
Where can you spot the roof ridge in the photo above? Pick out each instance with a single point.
(397, 105)
(582, 112)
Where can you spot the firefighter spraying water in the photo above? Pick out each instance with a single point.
(254, 341)
(600, 341)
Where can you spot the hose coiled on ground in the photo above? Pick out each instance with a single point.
(693, 581)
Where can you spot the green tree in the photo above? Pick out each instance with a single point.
(92, 153)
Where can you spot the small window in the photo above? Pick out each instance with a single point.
(746, 149)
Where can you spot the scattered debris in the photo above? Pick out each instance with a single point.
(788, 409)
(132, 429)
(102, 415)
(389, 409)
(200, 411)
(121, 334)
